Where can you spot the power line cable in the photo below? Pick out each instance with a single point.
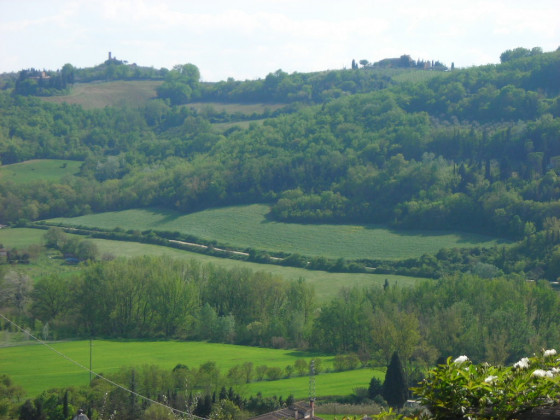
(190, 415)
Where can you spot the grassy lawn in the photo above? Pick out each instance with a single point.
(101, 94)
(247, 226)
(326, 284)
(36, 368)
(39, 169)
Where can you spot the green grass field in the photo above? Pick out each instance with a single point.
(326, 384)
(233, 108)
(247, 227)
(20, 238)
(40, 169)
(326, 284)
(36, 367)
(101, 94)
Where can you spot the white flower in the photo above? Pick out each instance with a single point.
(460, 359)
(522, 364)
(555, 370)
(550, 352)
(490, 379)
(542, 373)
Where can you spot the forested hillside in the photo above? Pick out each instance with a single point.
(474, 149)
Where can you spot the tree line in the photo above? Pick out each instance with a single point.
(495, 319)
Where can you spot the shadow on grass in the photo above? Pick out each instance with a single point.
(164, 215)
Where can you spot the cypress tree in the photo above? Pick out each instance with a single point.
(65, 411)
(223, 394)
(394, 387)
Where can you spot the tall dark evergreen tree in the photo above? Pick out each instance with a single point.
(27, 411)
(65, 411)
(394, 387)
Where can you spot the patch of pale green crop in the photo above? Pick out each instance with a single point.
(248, 227)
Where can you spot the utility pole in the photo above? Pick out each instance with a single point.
(312, 387)
(90, 354)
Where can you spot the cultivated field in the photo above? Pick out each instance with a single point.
(326, 284)
(248, 227)
(101, 94)
(39, 169)
(36, 368)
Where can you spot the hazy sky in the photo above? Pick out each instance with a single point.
(247, 39)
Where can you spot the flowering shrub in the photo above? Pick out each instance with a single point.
(461, 389)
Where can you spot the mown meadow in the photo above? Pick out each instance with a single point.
(248, 227)
(36, 367)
